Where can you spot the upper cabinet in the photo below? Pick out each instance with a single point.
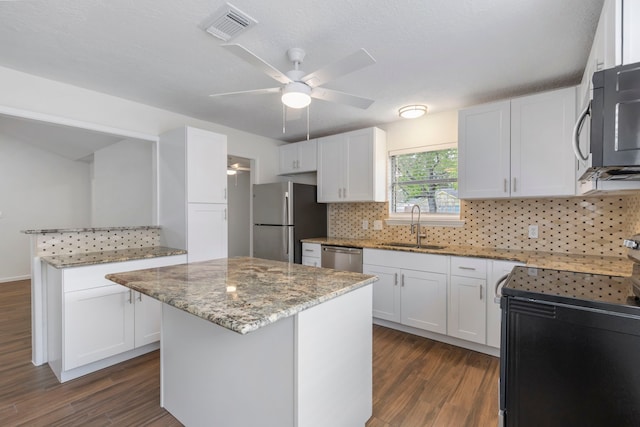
(298, 157)
(352, 167)
(518, 148)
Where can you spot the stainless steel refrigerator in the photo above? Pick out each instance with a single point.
(283, 214)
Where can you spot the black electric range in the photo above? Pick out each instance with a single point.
(570, 350)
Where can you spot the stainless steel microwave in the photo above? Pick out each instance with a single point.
(615, 125)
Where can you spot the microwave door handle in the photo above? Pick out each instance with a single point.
(576, 134)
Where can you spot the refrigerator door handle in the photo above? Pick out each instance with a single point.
(286, 209)
(286, 236)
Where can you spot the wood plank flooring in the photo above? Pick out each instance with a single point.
(417, 382)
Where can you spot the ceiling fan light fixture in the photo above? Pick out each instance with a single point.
(296, 95)
(412, 111)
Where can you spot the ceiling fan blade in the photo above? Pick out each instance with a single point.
(346, 65)
(253, 59)
(253, 92)
(341, 97)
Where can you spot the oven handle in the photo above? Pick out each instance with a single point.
(496, 295)
(577, 129)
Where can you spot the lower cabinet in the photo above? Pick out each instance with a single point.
(468, 299)
(449, 295)
(311, 253)
(415, 296)
(93, 323)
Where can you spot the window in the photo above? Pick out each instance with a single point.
(428, 179)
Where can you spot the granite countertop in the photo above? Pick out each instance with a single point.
(242, 294)
(118, 255)
(90, 229)
(608, 265)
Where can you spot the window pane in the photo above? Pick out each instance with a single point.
(428, 179)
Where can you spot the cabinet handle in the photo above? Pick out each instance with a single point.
(395, 279)
(467, 268)
(514, 185)
(140, 296)
(293, 164)
(225, 214)
(481, 292)
(402, 280)
(344, 193)
(308, 250)
(339, 193)
(505, 185)
(130, 296)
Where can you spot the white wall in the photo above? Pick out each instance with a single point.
(239, 188)
(37, 190)
(432, 129)
(35, 94)
(123, 184)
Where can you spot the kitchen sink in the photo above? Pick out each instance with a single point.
(413, 245)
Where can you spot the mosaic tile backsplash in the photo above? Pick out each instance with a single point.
(589, 225)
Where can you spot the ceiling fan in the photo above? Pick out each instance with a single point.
(298, 88)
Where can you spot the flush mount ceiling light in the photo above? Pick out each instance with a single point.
(412, 111)
(296, 95)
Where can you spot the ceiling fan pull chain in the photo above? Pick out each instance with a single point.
(308, 122)
(284, 118)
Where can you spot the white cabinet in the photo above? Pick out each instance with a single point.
(311, 254)
(97, 324)
(193, 192)
(411, 288)
(494, 315)
(630, 31)
(207, 231)
(468, 299)
(518, 148)
(93, 323)
(298, 157)
(352, 167)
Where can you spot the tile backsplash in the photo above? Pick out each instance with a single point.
(589, 225)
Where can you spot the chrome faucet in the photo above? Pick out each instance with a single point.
(415, 227)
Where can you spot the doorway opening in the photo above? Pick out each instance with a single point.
(239, 181)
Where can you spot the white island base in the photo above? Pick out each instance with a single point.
(310, 369)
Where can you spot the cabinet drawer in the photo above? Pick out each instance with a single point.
(311, 261)
(311, 250)
(408, 260)
(92, 276)
(469, 267)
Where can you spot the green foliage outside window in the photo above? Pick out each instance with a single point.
(428, 179)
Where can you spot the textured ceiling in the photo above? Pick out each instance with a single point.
(446, 54)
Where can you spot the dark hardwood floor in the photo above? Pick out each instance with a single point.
(417, 382)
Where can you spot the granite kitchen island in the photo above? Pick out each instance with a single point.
(247, 341)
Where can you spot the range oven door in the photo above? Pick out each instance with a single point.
(568, 366)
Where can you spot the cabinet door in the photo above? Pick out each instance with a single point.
(484, 151)
(386, 292)
(288, 158)
(206, 231)
(358, 185)
(424, 300)
(542, 160)
(311, 261)
(494, 314)
(468, 309)
(307, 156)
(148, 312)
(206, 166)
(98, 323)
(331, 161)
(630, 31)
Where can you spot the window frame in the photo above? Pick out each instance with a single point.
(430, 219)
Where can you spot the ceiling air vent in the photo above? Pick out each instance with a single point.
(227, 22)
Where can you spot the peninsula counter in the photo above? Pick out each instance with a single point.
(247, 341)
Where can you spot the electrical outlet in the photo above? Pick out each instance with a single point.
(533, 231)
(377, 224)
(365, 224)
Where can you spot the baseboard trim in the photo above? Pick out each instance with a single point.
(14, 279)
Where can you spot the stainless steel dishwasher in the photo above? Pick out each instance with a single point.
(341, 258)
